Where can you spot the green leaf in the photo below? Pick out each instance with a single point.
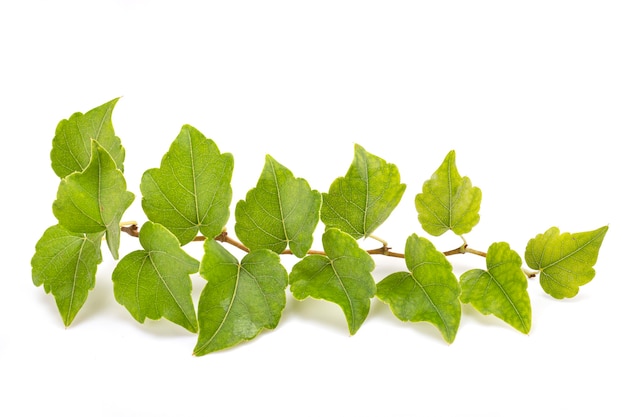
(428, 292)
(448, 201)
(191, 191)
(362, 200)
(95, 199)
(71, 146)
(239, 299)
(501, 290)
(565, 261)
(342, 276)
(65, 263)
(154, 282)
(282, 210)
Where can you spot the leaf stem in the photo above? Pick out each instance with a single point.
(382, 241)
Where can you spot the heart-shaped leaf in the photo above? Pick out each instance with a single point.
(191, 191)
(282, 210)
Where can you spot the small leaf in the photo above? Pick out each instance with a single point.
(282, 210)
(342, 276)
(71, 146)
(95, 199)
(154, 282)
(362, 200)
(565, 261)
(239, 299)
(447, 201)
(65, 263)
(428, 292)
(191, 191)
(501, 290)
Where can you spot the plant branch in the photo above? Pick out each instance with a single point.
(132, 229)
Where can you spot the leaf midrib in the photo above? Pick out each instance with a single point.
(226, 313)
(423, 289)
(592, 240)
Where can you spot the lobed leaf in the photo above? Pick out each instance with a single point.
(565, 261)
(448, 201)
(429, 291)
(240, 298)
(191, 191)
(342, 276)
(154, 282)
(501, 290)
(65, 263)
(95, 199)
(362, 200)
(71, 145)
(282, 210)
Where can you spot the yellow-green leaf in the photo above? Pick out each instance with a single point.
(362, 200)
(95, 199)
(500, 290)
(448, 201)
(65, 263)
(342, 276)
(565, 261)
(191, 191)
(154, 282)
(71, 146)
(281, 211)
(429, 291)
(240, 299)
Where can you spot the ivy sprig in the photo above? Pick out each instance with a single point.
(188, 198)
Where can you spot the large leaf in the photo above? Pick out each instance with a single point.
(342, 276)
(362, 200)
(448, 201)
(154, 282)
(240, 298)
(565, 261)
(282, 210)
(501, 290)
(95, 199)
(429, 291)
(191, 191)
(71, 146)
(65, 263)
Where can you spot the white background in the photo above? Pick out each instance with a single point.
(531, 95)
